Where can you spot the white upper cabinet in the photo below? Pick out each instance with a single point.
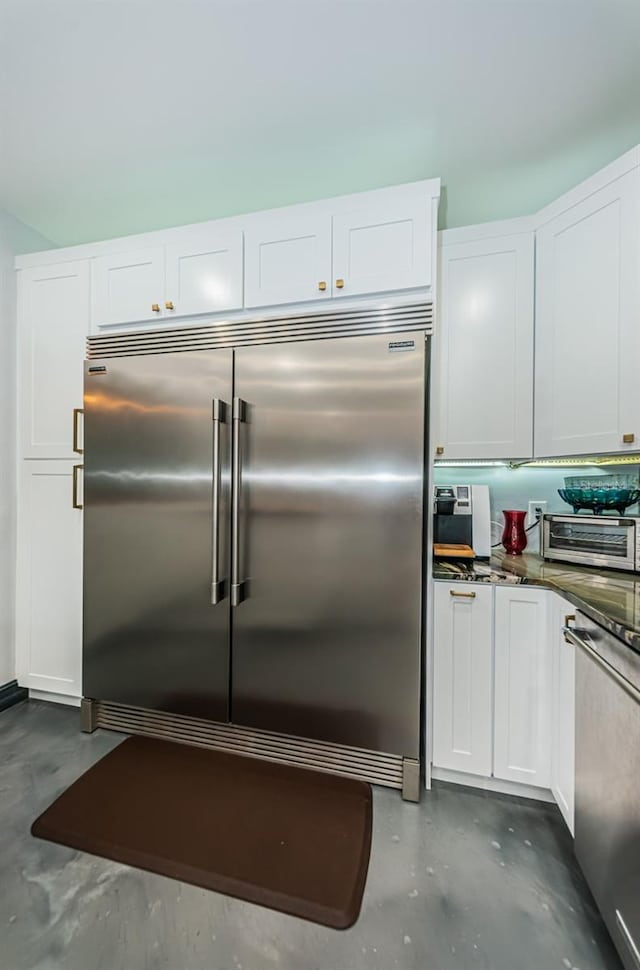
(128, 287)
(384, 246)
(371, 242)
(53, 318)
(484, 375)
(462, 677)
(587, 321)
(288, 259)
(200, 271)
(522, 709)
(204, 273)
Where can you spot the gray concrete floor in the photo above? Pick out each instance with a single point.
(465, 879)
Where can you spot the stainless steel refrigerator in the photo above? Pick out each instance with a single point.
(253, 557)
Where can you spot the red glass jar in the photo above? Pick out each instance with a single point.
(514, 537)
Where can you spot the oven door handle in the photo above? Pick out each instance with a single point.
(571, 636)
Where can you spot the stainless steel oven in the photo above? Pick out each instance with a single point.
(592, 540)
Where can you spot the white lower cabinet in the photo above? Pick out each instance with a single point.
(49, 579)
(563, 717)
(462, 685)
(493, 684)
(522, 708)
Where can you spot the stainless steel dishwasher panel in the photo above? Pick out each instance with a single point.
(608, 781)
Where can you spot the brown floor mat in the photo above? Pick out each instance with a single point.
(288, 838)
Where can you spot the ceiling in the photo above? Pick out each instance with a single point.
(120, 117)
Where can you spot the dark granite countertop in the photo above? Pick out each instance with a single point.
(609, 598)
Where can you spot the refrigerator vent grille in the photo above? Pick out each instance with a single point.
(337, 759)
(240, 333)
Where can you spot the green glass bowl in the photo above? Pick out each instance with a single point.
(599, 500)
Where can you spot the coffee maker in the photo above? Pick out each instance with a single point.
(462, 518)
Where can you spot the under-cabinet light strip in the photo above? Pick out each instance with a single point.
(598, 460)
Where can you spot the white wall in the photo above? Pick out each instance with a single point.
(15, 238)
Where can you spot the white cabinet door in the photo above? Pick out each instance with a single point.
(53, 322)
(204, 273)
(385, 246)
(462, 677)
(288, 260)
(563, 746)
(522, 728)
(587, 333)
(49, 579)
(485, 371)
(127, 286)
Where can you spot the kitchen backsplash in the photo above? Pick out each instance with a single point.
(515, 488)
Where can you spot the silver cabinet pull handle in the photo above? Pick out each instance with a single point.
(76, 433)
(219, 416)
(571, 636)
(74, 500)
(238, 587)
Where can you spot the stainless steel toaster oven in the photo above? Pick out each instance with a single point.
(593, 540)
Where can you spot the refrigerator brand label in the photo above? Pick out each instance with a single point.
(97, 370)
(402, 345)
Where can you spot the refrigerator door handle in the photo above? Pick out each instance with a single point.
(219, 416)
(238, 587)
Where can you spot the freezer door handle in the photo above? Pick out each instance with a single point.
(219, 415)
(238, 586)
